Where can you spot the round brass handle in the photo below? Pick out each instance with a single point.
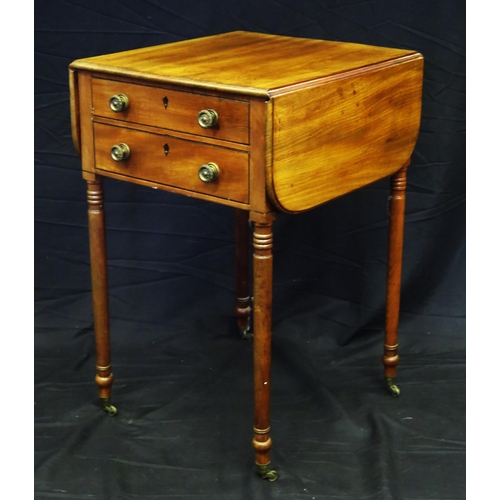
(209, 172)
(120, 152)
(118, 102)
(208, 118)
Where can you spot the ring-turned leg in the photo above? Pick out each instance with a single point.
(263, 275)
(97, 235)
(395, 258)
(242, 272)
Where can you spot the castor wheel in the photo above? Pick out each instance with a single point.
(266, 473)
(108, 407)
(393, 388)
(111, 410)
(246, 333)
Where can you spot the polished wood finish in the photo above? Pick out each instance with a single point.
(339, 115)
(243, 308)
(75, 112)
(179, 112)
(81, 104)
(367, 130)
(260, 155)
(263, 282)
(241, 62)
(395, 262)
(179, 167)
(97, 236)
(300, 123)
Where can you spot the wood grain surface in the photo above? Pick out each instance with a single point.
(334, 138)
(241, 62)
(147, 107)
(178, 168)
(301, 122)
(99, 273)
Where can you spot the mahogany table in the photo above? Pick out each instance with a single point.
(261, 123)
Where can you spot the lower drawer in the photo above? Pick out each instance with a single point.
(171, 161)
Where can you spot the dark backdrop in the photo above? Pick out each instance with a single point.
(183, 382)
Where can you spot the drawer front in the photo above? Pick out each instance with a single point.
(173, 162)
(172, 110)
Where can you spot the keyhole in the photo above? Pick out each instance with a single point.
(166, 149)
(165, 102)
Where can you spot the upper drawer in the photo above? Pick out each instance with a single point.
(172, 110)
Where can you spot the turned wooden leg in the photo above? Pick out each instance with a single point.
(97, 234)
(242, 272)
(263, 276)
(396, 224)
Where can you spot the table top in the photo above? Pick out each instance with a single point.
(243, 62)
(300, 121)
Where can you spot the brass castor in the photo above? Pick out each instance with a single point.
(393, 388)
(246, 333)
(108, 407)
(266, 473)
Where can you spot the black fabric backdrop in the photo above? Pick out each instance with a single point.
(183, 378)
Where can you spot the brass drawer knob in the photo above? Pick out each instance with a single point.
(120, 152)
(208, 118)
(118, 102)
(209, 172)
